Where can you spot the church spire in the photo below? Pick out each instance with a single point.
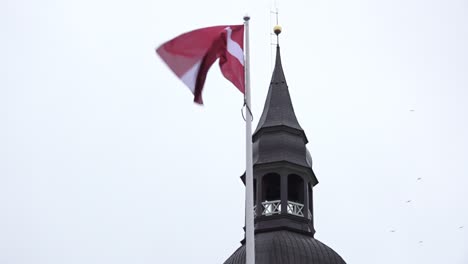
(278, 112)
(283, 186)
(278, 136)
(282, 165)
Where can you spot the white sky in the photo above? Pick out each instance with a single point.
(105, 159)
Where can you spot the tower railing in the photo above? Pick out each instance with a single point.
(274, 207)
(295, 208)
(271, 207)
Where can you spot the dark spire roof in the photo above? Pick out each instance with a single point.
(278, 111)
(278, 136)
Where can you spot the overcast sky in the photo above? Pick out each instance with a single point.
(105, 159)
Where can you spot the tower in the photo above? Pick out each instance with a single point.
(283, 186)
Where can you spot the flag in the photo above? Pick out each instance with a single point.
(191, 55)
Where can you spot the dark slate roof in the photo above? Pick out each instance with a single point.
(286, 247)
(279, 137)
(277, 147)
(278, 109)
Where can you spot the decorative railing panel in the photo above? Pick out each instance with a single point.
(295, 208)
(271, 207)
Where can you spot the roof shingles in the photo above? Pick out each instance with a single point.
(287, 247)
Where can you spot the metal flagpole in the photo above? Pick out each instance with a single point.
(249, 211)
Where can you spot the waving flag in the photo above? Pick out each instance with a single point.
(191, 55)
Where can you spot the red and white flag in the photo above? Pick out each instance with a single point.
(191, 55)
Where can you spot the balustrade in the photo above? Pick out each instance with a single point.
(274, 207)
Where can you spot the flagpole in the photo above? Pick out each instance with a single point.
(249, 211)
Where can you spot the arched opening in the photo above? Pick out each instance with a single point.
(271, 194)
(309, 193)
(296, 196)
(271, 187)
(254, 191)
(295, 189)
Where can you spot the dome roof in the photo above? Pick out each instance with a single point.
(286, 247)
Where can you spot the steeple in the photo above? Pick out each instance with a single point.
(278, 136)
(278, 111)
(283, 185)
(282, 166)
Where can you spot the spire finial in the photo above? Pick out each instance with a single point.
(277, 29)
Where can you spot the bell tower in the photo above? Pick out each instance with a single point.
(282, 166)
(283, 186)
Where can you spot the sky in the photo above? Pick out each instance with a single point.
(104, 158)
